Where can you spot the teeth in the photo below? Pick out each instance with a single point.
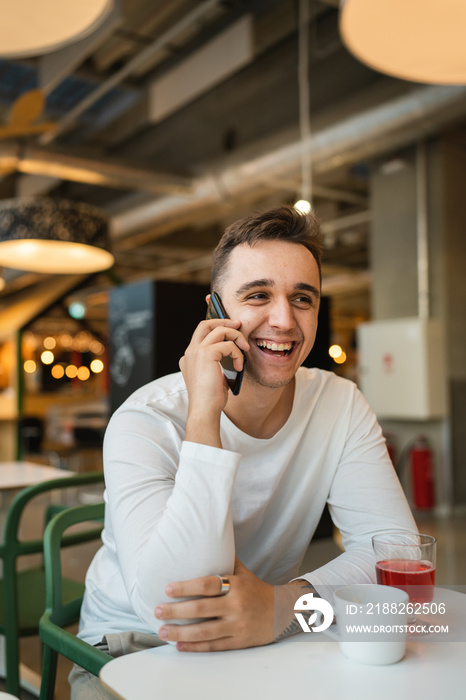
(273, 346)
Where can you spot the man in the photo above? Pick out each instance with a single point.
(210, 493)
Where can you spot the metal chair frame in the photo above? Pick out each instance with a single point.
(22, 593)
(59, 612)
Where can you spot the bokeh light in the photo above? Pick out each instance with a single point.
(57, 371)
(97, 366)
(340, 359)
(96, 347)
(335, 351)
(303, 206)
(83, 373)
(47, 357)
(66, 340)
(77, 309)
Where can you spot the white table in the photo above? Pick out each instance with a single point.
(13, 477)
(18, 475)
(304, 666)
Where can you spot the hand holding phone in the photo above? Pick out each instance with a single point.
(234, 378)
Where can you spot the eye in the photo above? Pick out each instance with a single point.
(303, 301)
(257, 297)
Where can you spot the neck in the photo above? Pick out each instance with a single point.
(258, 411)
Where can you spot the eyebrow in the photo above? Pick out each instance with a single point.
(254, 284)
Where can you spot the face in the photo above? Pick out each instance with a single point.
(273, 288)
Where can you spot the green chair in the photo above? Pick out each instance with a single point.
(22, 593)
(59, 611)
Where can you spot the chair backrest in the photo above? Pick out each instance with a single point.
(58, 613)
(62, 613)
(12, 546)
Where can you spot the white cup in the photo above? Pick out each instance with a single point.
(380, 614)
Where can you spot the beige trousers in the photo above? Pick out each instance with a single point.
(85, 686)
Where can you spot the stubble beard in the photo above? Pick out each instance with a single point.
(267, 382)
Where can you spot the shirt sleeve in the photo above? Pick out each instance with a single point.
(169, 506)
(365, 499)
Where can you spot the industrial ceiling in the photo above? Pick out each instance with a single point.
(176, 117)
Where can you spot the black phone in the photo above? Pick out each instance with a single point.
(234, 378)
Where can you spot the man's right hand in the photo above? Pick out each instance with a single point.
(205, 382)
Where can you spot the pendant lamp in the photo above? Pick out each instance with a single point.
(35, 27)
(418, 40)
(53, 236)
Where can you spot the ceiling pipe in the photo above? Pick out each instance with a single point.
(139, 22)
(395, 123)
(35, 160)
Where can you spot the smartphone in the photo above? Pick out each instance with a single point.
(234, 378)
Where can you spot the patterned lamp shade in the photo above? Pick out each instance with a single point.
(53, 236)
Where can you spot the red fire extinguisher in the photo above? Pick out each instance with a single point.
(422, 473)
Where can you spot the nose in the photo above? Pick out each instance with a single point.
(281, 315)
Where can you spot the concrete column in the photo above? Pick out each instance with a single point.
(394, 263)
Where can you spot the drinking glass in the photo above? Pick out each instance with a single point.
(406, 560)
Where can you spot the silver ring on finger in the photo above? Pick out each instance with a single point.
(225, 584)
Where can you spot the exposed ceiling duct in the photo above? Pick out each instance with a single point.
(390, 124)
(394, 122)
(35, 160)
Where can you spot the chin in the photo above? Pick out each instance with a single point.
(269, 381)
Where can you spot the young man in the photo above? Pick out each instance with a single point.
(210, 493)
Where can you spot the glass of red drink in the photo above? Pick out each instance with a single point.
(406, 560)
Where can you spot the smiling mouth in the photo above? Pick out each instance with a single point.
(276, 349)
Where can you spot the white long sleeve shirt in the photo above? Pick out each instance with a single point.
(178, 510)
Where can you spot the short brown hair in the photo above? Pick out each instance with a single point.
(284, 223)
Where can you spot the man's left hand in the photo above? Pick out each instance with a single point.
(244, 617)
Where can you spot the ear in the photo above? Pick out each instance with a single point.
(207, 299)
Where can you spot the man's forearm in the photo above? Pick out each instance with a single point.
(285, 622)
(203, 428)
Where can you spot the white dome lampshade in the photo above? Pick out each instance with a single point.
(419, 40)
(53, 236)
(36, 27)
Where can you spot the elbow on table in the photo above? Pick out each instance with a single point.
(144, 607)
(149, 588)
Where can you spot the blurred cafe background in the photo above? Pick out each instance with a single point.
(133, 132)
